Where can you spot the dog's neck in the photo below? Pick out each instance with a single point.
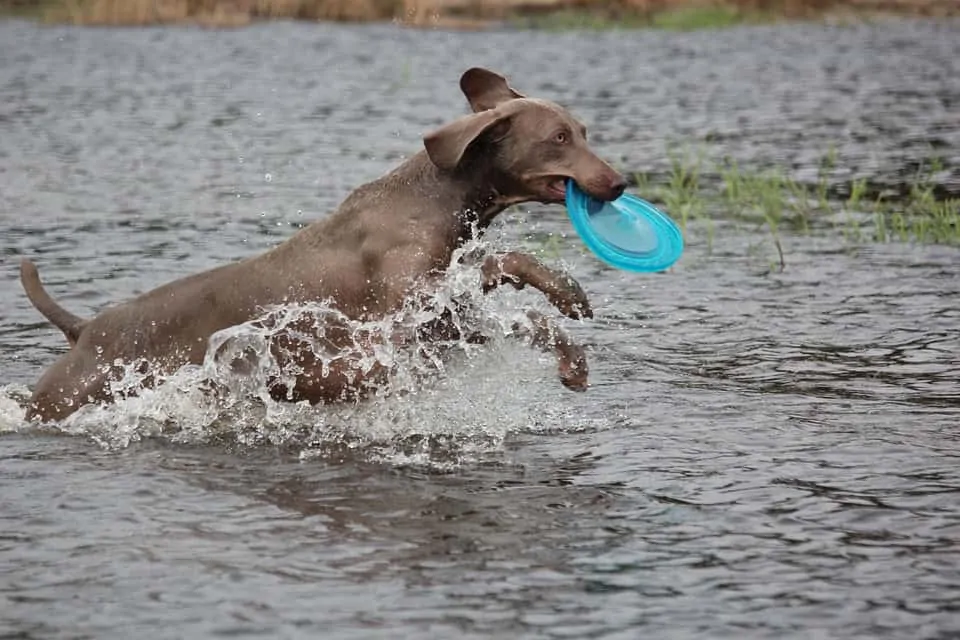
(482, 193)
(480, 205)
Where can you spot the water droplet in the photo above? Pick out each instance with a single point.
(268, 177)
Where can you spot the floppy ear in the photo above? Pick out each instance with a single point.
(447, 145)
(485, 89)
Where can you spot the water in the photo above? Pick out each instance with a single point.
(761, 454)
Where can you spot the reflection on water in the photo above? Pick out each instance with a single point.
(763, 454)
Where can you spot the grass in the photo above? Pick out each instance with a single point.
(683, 18)
(209, 12)
(690, 15)
(29, 9)
(773, 200)
(706, 17)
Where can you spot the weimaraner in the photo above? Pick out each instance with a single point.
(384, 244)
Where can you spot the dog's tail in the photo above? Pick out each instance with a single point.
(70, 324)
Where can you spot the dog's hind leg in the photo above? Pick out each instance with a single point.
(76, 379)
(323, 371)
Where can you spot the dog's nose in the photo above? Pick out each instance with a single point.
(617, 186)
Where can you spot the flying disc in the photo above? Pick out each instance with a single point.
(628, 233)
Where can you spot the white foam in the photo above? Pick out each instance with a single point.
(440, 403)
(12, 413)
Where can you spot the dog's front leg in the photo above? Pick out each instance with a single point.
(520, 269)
(571, 359)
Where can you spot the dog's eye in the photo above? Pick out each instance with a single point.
(561, 137)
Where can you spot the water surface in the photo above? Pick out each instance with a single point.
(762, 454)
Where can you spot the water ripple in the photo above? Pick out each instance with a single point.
(764, 454)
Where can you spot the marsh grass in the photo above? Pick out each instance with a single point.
(690, 15)
(773, 200)
(29, 9)
(213, 12)
(681, 18)
(706, 17)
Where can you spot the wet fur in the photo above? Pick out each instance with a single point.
(386, 241)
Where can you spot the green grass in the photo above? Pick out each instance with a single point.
(773, 200)
(681, 19)
(696, 18)
(29, 11)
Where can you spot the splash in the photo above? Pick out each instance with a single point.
(440, 397)
(13, 397)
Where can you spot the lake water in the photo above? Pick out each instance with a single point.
(762, 454)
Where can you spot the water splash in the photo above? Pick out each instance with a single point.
(440, 398)
(12, 400)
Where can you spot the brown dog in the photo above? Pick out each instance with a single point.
(383, 245)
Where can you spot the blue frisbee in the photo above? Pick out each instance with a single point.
(628, 233)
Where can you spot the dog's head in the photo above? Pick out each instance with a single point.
(532, 146)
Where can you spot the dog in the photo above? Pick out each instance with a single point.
(387, 241)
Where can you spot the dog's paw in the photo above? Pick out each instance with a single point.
(571, 300)
(493, 274)
(573, 368)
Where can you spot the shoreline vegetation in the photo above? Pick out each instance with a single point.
(473, 14)
(914, 210)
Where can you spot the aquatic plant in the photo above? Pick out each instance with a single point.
(774, 199)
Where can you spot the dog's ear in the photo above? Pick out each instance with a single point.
(485, 89)
(447, 146)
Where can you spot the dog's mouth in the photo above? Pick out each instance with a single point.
(554, 190)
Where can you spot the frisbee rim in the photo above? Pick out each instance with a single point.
(670, 243)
